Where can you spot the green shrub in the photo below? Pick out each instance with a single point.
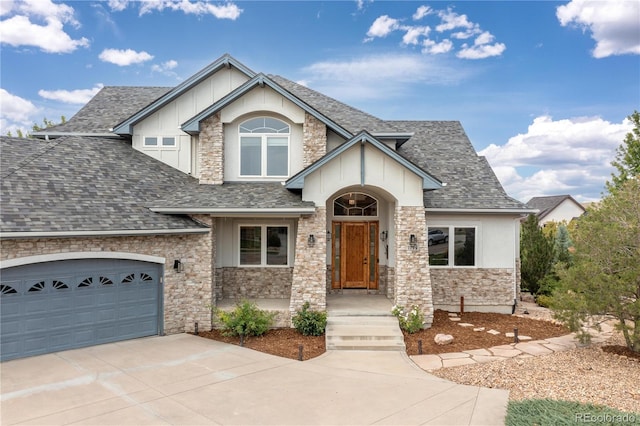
(544, 300)
(245, 320)
(309, 322)
(411, 321)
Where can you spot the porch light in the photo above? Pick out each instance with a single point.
(384, 235)
(328, 235)
(178, 266)
(413, 242)
(311, 241)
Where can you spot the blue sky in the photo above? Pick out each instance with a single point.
(542, 88)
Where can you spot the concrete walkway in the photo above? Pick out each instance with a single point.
(188, 380)
(525, 349)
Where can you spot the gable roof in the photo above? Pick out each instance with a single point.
(225, 61)
(193, 124)
(428, 181)
(547, 204)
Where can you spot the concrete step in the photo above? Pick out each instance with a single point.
(377, 333)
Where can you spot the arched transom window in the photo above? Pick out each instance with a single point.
(355, 204)
(264, 147)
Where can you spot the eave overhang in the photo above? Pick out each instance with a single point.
(226, 61)
(238, 212)
(509, 211)
(192, 126)
(110, 233)
(55, 135)
(429, 182)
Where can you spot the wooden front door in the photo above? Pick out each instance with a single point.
(355, 255)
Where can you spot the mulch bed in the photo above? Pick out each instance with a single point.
(285, 342)
(464, 338)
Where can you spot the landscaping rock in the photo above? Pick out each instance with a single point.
(443, 339)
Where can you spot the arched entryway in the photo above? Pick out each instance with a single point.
(356, 218)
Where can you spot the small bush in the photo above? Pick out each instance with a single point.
(411, 321)
(309, 322)
(544, 301)
(245, 320)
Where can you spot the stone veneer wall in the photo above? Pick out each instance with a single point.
(310, 269)
(250, 283)
(479, 286)
(314, 140)
(211, 151)
(412, 279)
(187, 295)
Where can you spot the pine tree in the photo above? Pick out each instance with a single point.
(536, 254)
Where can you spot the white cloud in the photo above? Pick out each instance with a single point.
(40, 23)
(431, 47)
(568, 156)
(481, 48)
(451, 20)
(78, 96)
(371, 77)
(614, 25)
(421, 12)
(166, 68)
(383, 26)
(458, 27)
(227, 10)
(118, 5)
(124, 57)
(16, 113)
(413, 34)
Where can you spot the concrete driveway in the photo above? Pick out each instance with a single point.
(188, 380)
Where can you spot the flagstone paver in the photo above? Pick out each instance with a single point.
(528, 349)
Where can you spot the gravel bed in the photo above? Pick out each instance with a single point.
(586, 375)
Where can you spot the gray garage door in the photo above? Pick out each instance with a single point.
(53, 306)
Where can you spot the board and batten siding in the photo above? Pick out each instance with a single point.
(167, 120)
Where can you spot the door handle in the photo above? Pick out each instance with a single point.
(365, 260)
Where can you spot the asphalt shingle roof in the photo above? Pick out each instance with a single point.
(443, 149)
(547, 203)
(83, 183)
(110, 106)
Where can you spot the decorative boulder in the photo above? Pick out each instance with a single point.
(443, 339)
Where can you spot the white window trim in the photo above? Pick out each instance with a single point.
(160, 145)
(263, 244)
(263, 152)
(451, 247)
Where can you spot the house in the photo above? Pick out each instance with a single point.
(152, 204)
(556, 208)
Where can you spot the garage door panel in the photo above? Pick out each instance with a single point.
(67, 304)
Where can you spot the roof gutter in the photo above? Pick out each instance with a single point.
(114, 233)
(476, 211)
(56, 135)
(237, 212)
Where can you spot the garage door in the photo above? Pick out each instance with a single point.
(53, 306)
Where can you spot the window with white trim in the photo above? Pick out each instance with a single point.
(264, 245)
(457, 240)
(355, 204)
(264, 147)
(159, 142)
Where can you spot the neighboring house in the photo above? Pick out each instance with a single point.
(152, 204)
(556, 208)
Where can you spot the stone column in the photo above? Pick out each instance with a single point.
(314, 140)
(412, 276)
(199, 294)
(211, 151)
(310, 269)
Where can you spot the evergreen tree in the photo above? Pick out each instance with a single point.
(627, 156)
(536, 254)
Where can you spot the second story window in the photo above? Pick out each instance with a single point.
(264, 148)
